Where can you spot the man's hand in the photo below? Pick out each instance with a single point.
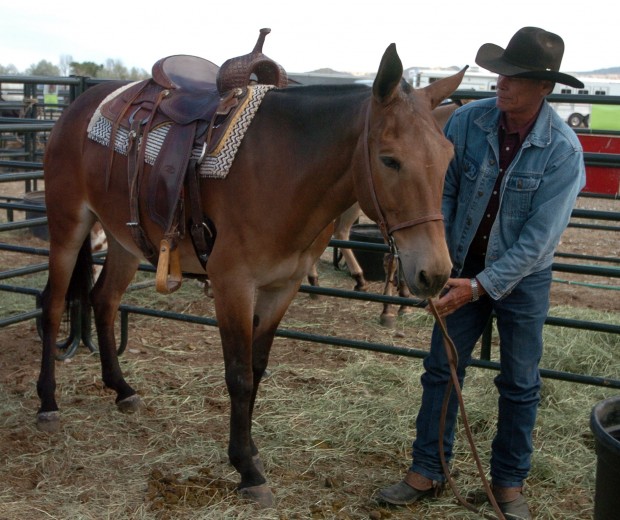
(456, 293)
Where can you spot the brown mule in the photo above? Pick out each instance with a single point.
(308, 155)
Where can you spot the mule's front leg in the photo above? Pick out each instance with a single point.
(242, 452)
(247, 344)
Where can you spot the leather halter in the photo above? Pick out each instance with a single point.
(385, 228)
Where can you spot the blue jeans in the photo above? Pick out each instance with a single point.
(520, 319)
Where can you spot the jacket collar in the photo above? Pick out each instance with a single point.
(540, 134)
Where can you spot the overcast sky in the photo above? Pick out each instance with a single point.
(344, 35)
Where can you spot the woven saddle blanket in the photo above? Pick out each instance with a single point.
(216, 162)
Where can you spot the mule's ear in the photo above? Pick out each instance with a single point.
(389, 75)
(441, 89)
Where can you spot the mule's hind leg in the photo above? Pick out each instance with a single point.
(388, 316)
(342, 229)
(118, 270)
(69, 272)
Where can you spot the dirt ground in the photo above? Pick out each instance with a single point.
(20, 351)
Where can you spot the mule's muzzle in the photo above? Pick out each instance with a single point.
(425, 276)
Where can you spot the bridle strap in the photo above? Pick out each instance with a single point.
(416, 221)
(385, 229)
(381, 222)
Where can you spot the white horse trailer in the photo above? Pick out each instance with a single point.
(575, 114)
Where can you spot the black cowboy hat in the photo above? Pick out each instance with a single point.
(531, 53)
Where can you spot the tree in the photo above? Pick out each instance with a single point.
(43, 68)
(8, 69)
(65, 64)
(86, 68)
(114, 69)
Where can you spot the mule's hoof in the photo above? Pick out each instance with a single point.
(404, 310)
(387, 320)
(261, 495)
(48, 421)
(131, 404)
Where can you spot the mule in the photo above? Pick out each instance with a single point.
(309, 154)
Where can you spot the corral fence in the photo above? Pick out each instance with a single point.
(23, 163)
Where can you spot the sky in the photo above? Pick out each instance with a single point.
(344, 35)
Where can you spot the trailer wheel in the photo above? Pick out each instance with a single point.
(575, 120)
(586, 121)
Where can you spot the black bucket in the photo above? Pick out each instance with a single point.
(605, 424)
(371, 262)
(37, 198)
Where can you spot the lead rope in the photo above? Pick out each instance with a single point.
(452, 356)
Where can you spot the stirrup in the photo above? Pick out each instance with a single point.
(168, 277)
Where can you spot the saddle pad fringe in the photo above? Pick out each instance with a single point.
(215, 165)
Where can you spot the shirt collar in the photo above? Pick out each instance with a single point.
(524, 130)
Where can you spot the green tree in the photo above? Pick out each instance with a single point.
(86, 68)
(43, 68)
(6, 70)
(114, 69)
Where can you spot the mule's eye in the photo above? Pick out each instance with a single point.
(390, 162)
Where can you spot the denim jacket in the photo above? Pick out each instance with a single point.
(537, 193)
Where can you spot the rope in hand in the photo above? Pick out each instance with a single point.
(453, 383)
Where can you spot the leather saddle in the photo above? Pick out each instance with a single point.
(185, 97)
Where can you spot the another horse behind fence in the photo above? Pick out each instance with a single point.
(308, 155)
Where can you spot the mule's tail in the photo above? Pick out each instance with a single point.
(82, 277)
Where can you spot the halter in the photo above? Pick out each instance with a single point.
(387, 230)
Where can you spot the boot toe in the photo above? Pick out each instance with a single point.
(402, 494)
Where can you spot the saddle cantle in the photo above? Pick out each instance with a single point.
(255, 66)
(185, 107)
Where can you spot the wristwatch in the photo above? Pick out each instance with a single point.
(475, 294)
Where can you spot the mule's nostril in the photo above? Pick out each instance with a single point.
(423, 280)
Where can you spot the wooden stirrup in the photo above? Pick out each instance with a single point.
(168, 278)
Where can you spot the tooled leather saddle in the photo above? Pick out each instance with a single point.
(184, 108)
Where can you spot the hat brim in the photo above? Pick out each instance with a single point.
(491, 57)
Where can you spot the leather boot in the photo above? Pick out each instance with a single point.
(411, 489)
(512, 503)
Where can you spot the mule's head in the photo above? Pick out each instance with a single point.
(401, 185)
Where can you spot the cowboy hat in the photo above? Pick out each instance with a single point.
(531, 53)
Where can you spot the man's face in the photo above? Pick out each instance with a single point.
(517, 96)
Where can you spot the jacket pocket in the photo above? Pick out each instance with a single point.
(519, 190)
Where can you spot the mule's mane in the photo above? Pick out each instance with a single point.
(326, 90)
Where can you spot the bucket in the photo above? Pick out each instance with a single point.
(605, 425)
(370, 261)
(37, 198)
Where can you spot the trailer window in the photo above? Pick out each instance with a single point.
(599, 92)
(582, 91)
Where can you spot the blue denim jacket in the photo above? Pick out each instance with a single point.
(537, 194)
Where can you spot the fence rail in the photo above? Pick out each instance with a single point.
(33, 172)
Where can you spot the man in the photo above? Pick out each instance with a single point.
(508, 196)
